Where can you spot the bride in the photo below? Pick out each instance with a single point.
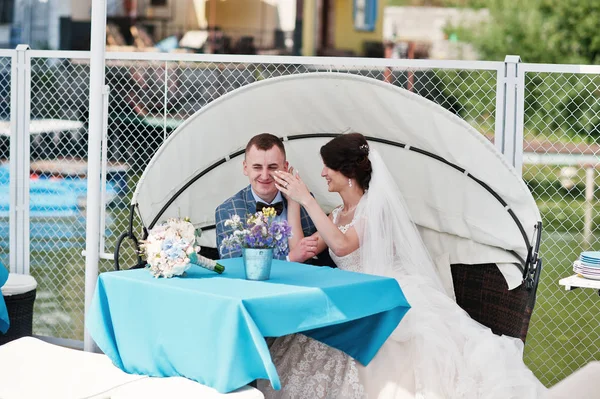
(437, 351)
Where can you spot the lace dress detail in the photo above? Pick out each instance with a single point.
(309, 369)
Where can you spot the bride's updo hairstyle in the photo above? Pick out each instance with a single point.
(349, 155)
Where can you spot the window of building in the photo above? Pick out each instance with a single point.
(365, 15)
(158, 3)
(6, 11)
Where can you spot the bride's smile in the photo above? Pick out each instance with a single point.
(335, 180)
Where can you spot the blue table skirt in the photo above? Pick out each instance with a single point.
(211, 328)
(4, 321)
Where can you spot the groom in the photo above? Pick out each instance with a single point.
(265, 154)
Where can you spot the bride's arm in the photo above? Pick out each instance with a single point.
(340, 244)
(294, 188)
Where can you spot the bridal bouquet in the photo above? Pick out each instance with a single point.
(259, 231)
(170, 249)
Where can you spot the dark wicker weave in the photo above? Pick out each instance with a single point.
(20, 314)
(482, 291)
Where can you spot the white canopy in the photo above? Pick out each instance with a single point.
(456, 215)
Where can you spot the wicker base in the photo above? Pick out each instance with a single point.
(20, 314)
(482, 291)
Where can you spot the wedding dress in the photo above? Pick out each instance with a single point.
(436, 352)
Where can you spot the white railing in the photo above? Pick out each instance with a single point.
(517, 105)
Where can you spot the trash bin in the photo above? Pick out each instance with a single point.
(19, 294)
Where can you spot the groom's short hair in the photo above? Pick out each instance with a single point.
(264, 142)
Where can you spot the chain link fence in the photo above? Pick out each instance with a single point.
(149, 99)
(561, 131)
(58, 149)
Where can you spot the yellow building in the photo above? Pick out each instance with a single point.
(318, 27)
(327, 27)
(330, 27)
(259, 19)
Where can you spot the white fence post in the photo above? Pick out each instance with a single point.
(97, 77)
(103, 177)
(19, 161)
(519, 120)
(500, 111)
(588, 216)
(509, 112)
(12, 213)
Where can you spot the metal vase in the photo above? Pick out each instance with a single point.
(257, 263)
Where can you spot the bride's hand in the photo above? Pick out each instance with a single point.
(289, 170)
(292, 186)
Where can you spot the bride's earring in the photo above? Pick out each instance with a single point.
(350, 182)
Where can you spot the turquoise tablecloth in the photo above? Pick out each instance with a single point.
(211, 328)
(4, 322)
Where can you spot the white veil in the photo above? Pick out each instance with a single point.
(389, 239)
(447, 351)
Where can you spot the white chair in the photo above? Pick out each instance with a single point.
(582, 384)
(177, 387)
(32, 368)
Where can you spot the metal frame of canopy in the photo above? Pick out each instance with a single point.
(528, 266)
(441, 156)
(485, 282)
(317, 103)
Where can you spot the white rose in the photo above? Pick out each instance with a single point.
(170, 234)
(188, 231)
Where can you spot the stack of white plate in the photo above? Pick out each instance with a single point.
(588, 265)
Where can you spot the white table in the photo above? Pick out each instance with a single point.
(574, 281)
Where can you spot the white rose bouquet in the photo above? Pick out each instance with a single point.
(170, 249)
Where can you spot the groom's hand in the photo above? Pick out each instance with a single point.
(306, 249)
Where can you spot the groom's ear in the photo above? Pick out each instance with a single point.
(286, 166)
(245, 168)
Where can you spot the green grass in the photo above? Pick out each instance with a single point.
(564, 333)
(60, 273)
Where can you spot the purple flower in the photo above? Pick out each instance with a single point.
(259, 231)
